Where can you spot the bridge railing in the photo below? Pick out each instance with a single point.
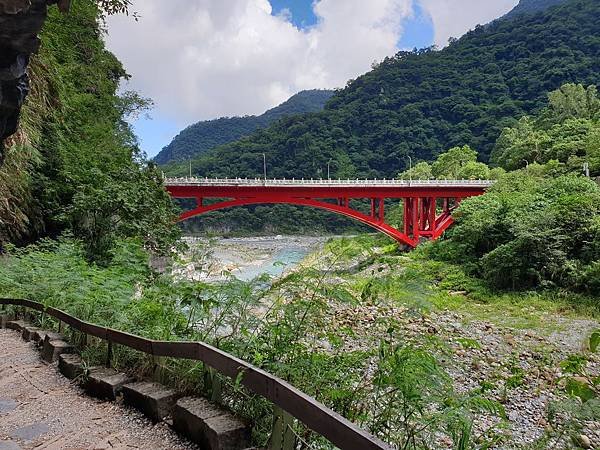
(316, 416)
(199, 181)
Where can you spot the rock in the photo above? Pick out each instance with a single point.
(20, 23)
(510, 339)
(52, 349)
(106, 383)
(70, 365)
(153, 399)
(583, 441)
(209, 425)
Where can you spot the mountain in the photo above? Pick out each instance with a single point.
(422, 103)
(531, 7)
(203, 136)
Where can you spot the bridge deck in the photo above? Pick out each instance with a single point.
(195, 181)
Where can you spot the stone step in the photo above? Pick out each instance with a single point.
(4, 318)
(52, 349)
(106, 383)
(27, 331)
(70, 365)
(209, 425)
(153, 399)
(16, 325)
(40, 335)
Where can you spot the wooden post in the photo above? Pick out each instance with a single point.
(109, 354)
(282, 436)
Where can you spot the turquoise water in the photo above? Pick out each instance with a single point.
(281, 261)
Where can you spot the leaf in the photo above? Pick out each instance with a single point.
(595, 340)
(580, 390)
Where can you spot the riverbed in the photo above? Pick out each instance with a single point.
(245, 258)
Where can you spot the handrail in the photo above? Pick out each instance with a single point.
(199, 181)
(316, 416)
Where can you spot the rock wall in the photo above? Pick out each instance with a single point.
(20, 24)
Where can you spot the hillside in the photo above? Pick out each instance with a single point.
(203, 136)
(421, 103)
(531, 7)
(73, 167)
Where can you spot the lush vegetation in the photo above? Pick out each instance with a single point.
(355, 328)
(75, 165)
(280, 327)
(532, 7)
(538, 226)
(203, 136)
(421, 103)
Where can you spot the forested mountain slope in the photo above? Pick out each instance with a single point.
(531, 6)
(202, 136)
(74, 165)
(421, 103)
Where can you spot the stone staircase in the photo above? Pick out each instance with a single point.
(210, 426)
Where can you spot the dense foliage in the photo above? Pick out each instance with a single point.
(532, 229)
(539, 226)
(75, 164)
(532, 7)
(423, 102)
(203, 136)
(567, 131)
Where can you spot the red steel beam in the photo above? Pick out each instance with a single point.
(420, 203)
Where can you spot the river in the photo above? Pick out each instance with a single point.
(245, 258)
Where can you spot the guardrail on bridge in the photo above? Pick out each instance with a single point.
(199, 181)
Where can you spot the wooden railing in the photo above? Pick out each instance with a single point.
(316, 416)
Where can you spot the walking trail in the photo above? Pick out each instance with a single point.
(40, 409)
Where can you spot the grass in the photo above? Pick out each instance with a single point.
(299, 333)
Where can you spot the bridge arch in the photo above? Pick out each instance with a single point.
(427, 204)
(373, 221)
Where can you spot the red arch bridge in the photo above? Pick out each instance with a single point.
(428, 204)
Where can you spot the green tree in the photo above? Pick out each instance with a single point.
(131, 203)
(566, 130)
(420, 171)
(449, 165)
(531, 230)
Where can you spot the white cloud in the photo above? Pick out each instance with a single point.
(452, 18)
(210, 58)
(201, 59)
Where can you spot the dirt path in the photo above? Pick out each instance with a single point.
(40, 409)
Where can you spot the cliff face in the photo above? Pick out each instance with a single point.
(20, 23)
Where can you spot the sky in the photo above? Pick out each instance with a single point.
(204, 59)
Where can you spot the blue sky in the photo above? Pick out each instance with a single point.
(240, 57)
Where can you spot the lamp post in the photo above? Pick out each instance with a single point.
(409, 168)
(265, 166)
(328, 163)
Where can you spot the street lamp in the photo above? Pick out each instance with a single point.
(409, 168)
(265, 166)
(328, 163)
